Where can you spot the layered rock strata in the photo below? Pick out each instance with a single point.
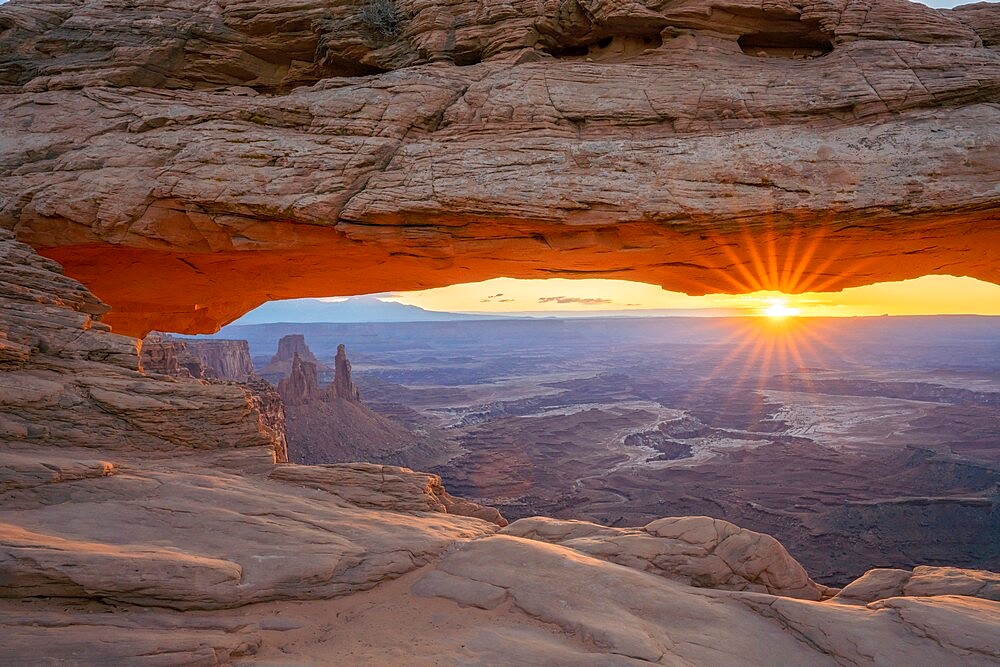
(301, 386)
(215, 359)
(163, 355)
(386, 487)
(282, 363)
(66, 380)
(711, 145)
(331, 425)
(698, 551)
(223, 359)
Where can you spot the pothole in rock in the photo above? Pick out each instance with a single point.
(791, 46)
(609, 47)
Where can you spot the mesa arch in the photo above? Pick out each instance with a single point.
(188, 172)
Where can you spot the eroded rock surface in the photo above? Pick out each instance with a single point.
(386, 487)
(223, 359)
(696, 550)
(631, 617)
(282, 363)
(343, 386)
(312, 154)
(67, 381)
(330, 424)
(922, 581)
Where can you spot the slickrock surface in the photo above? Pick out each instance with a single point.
(923, 581)
(203, 538)
(142, 518)
(146, 638)
(385, 487)
(314, 151)
(631, 616)
(695, 550)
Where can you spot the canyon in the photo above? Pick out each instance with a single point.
(331, 424)
(855, 442)
(168, 168)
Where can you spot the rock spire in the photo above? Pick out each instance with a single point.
(343, 385)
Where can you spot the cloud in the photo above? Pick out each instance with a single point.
(495, 298)
(574, 299)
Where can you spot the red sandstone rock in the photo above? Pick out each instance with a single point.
(301, 385)
(73, 383)
(343, 386)
(332, 425)
(162, 354)
(222, 359)
(386, 487)
(281, 363)
(852, 141)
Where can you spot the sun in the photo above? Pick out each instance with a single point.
(778, 309)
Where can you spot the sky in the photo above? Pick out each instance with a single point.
(930, 295)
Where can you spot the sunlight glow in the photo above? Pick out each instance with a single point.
(930, 295)
(779, 309)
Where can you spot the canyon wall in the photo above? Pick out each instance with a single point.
(67, 381)
(706, 146)
(223, 359)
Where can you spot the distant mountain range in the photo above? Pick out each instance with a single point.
(358, 309)
(352, 309)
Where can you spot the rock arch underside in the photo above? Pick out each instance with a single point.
(172, 166)
(189, 163)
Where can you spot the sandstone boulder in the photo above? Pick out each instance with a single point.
(922, 581)
(698, 551)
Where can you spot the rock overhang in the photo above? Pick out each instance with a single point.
(702, 146)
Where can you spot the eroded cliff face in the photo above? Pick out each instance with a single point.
(223, 359)
(282, 363)
(67, 381)
(707, 145)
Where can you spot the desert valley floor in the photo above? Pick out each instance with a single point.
(852, 441)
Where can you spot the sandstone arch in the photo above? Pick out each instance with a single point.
(181, 171)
